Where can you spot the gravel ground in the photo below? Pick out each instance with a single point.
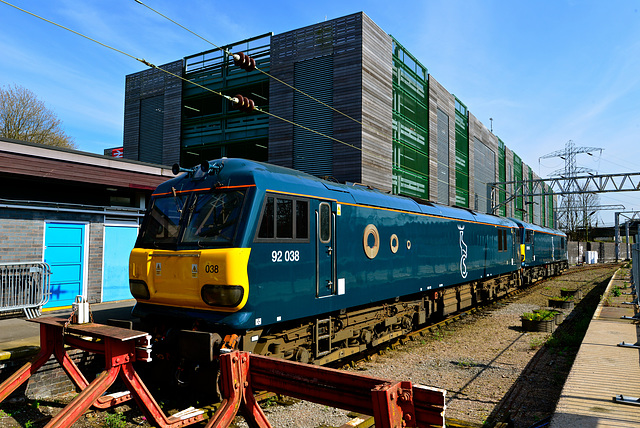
(492, 370)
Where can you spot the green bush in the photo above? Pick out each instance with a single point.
(561, 299)
(541, 315)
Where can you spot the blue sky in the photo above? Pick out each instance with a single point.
(545, 71)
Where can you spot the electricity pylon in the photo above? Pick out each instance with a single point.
(572, 204)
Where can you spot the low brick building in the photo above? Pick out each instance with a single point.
(79, 212)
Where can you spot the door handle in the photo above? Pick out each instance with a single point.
(329, 250)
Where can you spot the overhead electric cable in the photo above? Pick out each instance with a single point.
(234, 100)
(236, 57)
(232, 55)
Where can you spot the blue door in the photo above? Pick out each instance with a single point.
(64, 252)
(118, 243)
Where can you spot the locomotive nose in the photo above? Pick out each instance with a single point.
(206, 279)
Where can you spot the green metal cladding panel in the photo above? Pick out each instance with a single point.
(408, 133)
(550, 219)
(517, 176)
(410, 125)
(409, 184)
(410, 107)
(531, 207)
(462, 154)
(502, 177)
(543, 208)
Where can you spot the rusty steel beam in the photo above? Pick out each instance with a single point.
(393, 404)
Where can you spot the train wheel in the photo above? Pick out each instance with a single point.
(303, 355)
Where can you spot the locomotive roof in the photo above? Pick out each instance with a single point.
(239, 172)
(535, 227)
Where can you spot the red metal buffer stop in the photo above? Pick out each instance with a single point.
(393, 404)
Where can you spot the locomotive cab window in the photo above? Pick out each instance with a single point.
(325, 222)
(528, 237)
(284, 218)
(502, 240)
(212, 218)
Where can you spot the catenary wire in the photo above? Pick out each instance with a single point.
(231, 99)
(149, 64)
(231, 55)
(226, 52)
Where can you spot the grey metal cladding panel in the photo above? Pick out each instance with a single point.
(152, 83)
(440, 98)
(151, 125)
(131, 129)
(339, 38)
(443, 137)
(484, 172)
(316, 40)
(281, 104)
(443, 157)
(172, 116)
(377, 105)
(313, 153)
(131, 132)
(347, 85)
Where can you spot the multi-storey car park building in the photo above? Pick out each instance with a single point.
(391, 126)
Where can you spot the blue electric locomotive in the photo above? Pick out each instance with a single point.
(543, 251)
(298, 267)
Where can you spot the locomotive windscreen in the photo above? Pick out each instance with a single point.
(196, 220)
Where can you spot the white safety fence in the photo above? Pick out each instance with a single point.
(635, 265)
(635, 281)
(24, 286)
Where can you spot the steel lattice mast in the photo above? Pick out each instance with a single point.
(571, 203)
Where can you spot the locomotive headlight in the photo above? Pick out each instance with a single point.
(228, 296)
(139, 289)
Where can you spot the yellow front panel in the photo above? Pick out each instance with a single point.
(174, 278)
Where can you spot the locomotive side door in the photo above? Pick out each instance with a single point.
(529, 242)
(326, 249)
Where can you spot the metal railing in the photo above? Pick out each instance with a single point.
(635, 265)
(24, 286)
(635, 281)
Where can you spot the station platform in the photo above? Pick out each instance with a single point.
(20, 338)
(603, 370)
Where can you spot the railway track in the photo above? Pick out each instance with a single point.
(481, 311)
(544, 370)
(363, 421)
(545, 356)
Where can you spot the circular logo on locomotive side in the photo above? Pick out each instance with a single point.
(371, 249)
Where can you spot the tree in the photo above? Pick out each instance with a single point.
(24, 117)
